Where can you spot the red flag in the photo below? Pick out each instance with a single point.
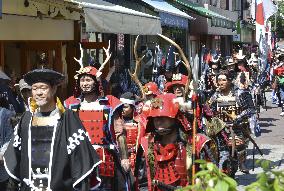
(259, 20)
(259, 12)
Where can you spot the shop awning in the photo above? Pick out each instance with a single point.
(217, 19)
(198, 9)
(104, 17)
(170, 16)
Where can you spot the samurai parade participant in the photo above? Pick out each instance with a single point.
(211, 76)
(177, 87)
(130, 125)
(49, 149)
(234, 108)
(279, 80)
(104, 124)
(26, 92)
(167, 148)
(169, 67)
(134, 128)
(150, 91)
(6, 132)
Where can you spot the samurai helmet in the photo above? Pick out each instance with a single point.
(151, 88)
(162, 106)
(89, 70)
(166, 105)
(177, 79)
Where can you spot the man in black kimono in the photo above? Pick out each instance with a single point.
(49, 149)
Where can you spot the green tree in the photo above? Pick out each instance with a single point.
(279, 20)
(210, 178)
(268, 180)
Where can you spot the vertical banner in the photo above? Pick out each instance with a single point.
(0, 9)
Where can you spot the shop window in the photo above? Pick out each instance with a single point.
(22, 57)
(213, 2)
(236, 4)
(12, 60)
(92, 55)
(223, 4)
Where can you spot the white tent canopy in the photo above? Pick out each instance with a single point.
(104, 17)
(163, 6)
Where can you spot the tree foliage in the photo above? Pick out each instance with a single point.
(210, 178)
(279, 20)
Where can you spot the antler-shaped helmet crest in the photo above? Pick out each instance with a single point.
(90, 69)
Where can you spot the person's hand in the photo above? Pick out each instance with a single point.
(125, 163)
(118, 126)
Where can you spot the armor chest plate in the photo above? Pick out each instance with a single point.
(132, 133)
(224, 108)
(96, 124)
(170, 164)
(41, 137)
(231, 110)
(131, 136)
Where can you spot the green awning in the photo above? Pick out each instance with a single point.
(217, 20)
(198, 9)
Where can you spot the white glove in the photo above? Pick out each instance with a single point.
(125, 163)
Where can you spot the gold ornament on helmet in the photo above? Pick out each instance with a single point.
(145, 89)
(176, 77)
(157, 103)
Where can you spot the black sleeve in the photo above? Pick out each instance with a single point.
(12, 156)
(82, 156)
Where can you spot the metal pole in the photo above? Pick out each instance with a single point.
(275, 21)
(253, 157)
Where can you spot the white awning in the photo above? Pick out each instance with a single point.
(164, 7)
(104, 17)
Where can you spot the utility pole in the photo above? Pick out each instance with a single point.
(275, 21)
(242, 10)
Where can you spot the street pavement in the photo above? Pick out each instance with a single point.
(271, 142)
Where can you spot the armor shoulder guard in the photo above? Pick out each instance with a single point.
(71, 101)
(201, 140)
(113, 102)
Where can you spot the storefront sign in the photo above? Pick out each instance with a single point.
(236, 38)
(217, 22)
(173, 21)
(120, 42)
(0, 9)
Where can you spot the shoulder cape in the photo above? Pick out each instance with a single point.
(72, 156)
